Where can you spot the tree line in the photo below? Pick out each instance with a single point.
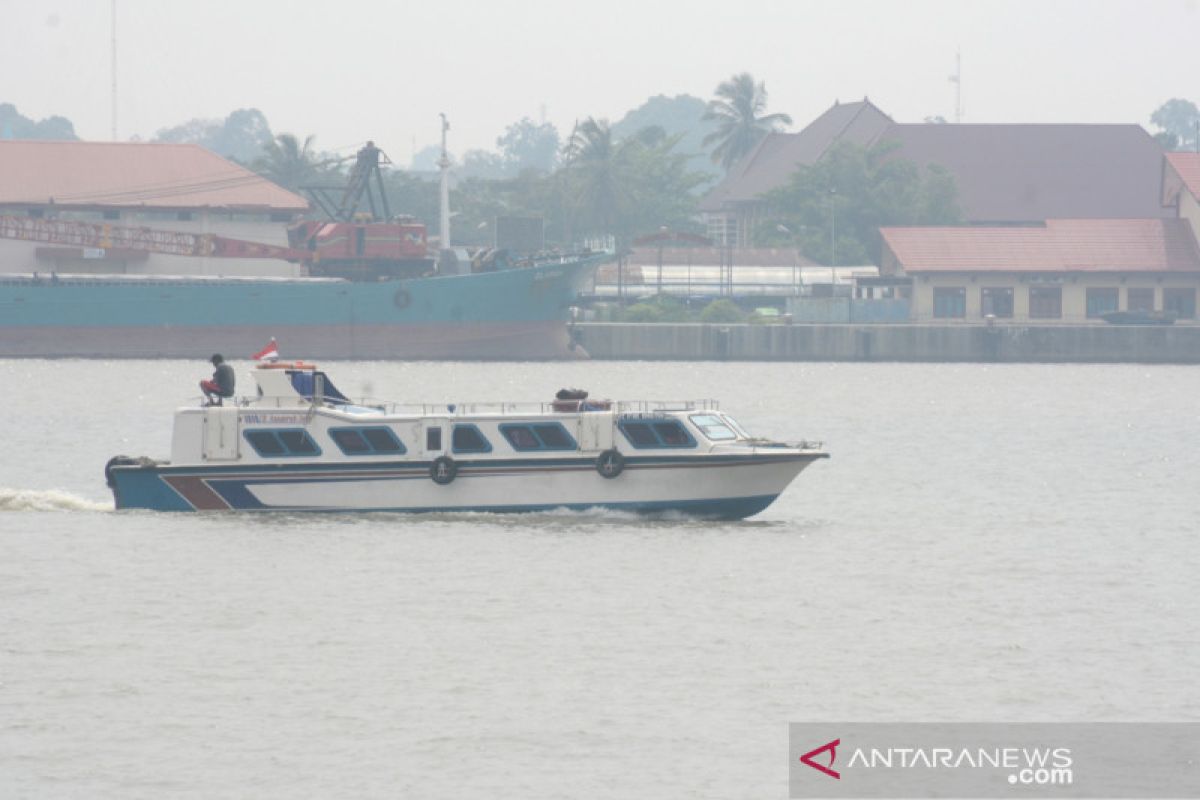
(630, 178)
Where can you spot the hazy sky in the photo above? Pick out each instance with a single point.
(348, 71)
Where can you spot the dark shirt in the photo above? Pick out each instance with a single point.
(224, 378)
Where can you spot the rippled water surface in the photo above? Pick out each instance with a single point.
(987, 543)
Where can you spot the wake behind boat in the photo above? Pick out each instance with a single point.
(301, 445)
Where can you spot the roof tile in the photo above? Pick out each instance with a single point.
(1061, 245)
(139, 174)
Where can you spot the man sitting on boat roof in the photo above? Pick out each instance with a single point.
(221, 385)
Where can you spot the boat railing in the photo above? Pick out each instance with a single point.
(651, 406)
(506, 408)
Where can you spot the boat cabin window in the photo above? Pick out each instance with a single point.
(656, 433)
(545, 436)
(554, 437)
(433, 439)
(468, 439)
(639, 434)
(281, 442)
(713, 427)
(371, 441)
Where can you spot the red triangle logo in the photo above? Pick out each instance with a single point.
(807, 758)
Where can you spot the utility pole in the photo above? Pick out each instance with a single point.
(832, 239)
(444, 165)
(956, 79)
(113, 21)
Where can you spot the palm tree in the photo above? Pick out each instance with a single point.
(741, 124)
(597, 170)
(287, 162)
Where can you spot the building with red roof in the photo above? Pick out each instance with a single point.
(179, 187)
(1059, 270)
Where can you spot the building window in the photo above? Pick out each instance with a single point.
(1181, 301)
(1045, 302)
(112, 214)
(996, 301)
(949, 303)
(722, 229)
(184, 216)
(1140, 300)
(36, 213)
(1101, 300)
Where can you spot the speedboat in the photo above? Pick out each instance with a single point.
(299, 444)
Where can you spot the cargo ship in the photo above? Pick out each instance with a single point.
(516, 313)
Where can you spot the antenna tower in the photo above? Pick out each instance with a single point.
(956, 79)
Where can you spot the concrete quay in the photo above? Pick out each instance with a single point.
(1099, 343)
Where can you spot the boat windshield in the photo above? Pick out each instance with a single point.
(713, 427)
(733, 423)
(305, 384)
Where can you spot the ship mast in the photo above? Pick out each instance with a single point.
(444, 165)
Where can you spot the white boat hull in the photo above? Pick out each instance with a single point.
(733, 486)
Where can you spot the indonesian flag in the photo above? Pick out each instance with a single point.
(268, 353)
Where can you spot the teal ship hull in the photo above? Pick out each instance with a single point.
(507, 314)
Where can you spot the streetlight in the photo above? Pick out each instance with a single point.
(832, 238)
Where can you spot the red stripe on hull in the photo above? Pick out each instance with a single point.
(197, 492)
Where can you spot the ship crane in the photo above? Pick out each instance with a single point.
(367, 162)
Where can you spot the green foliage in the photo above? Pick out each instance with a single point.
(14, 125)
(740, 121)
(408, 194)
(856, 191)
(660, 308)
(293, 164)
(682, 116)
(241, 136)
(623, 187)
(723, 310)
(1177, 120)
(528, 145)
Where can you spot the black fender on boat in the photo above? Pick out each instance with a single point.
(443, 470)
(610, 463)
(125, 461)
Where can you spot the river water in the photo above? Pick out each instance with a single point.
(988, 543)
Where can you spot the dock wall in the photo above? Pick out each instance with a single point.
(1164, 344)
